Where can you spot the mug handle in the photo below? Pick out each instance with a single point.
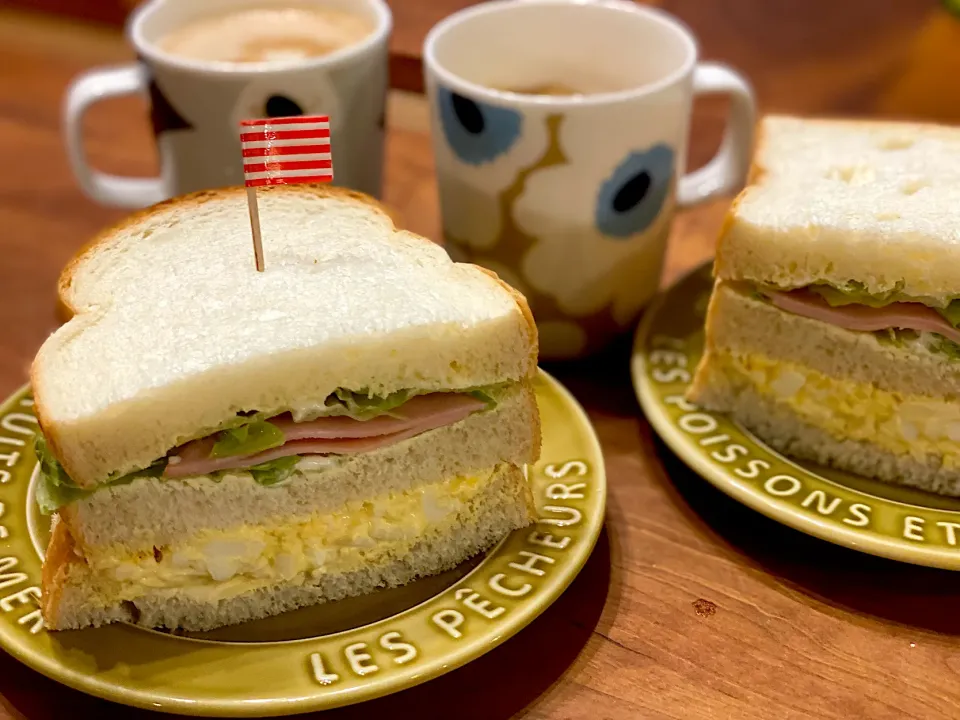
(84, 91)
(726, 172)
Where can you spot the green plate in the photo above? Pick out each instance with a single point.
(320, 657)
(849, 510)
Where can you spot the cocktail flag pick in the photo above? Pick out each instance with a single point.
(283, 151)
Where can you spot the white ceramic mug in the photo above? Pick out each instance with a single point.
(196, 105)
(570, 197)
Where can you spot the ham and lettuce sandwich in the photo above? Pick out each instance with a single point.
(832, 331)
(220, 445)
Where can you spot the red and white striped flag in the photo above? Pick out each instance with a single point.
(283, 151)
(286, 150)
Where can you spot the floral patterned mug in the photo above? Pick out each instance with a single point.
(560, 133)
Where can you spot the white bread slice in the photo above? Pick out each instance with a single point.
(174, 331)
(73, 598)
(148, 513)
(829, 201)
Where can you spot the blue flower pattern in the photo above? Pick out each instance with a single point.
(632, 197)
(477, 132)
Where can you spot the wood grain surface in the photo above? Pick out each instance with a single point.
(691, 606)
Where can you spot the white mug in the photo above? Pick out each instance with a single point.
(196, 105)
(570, 197)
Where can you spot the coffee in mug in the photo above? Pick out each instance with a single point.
(270, 33)
(547, 88)
(585, 84)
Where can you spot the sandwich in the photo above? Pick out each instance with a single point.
(220, 444)
(833, 329)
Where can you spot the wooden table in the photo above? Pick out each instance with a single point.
(691, 606)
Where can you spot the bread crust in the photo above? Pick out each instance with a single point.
(60, 556)
(68, 310)
(755, 175)
(524, 308)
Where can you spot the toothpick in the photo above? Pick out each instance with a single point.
(255, 226)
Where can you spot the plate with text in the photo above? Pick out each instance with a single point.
(863, 514)
(328, 655)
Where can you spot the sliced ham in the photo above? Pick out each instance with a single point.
(435, 410)
(901, 315)
(332, 435)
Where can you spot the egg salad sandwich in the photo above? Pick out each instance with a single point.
(220, 444)
(833, 330)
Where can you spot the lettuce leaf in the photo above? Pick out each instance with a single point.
(49, 467)
(483, 395)
(51, 498)
(855, 293)
(363, 406)
(55, 488)
(491, 394)
(274, 472)
(254, 436)
(933, 342)
(945, 346)
(951, 313)
(895, 337)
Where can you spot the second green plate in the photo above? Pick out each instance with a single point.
(862, 514)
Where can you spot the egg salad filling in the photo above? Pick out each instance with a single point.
(221, 564)
(903, 424)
